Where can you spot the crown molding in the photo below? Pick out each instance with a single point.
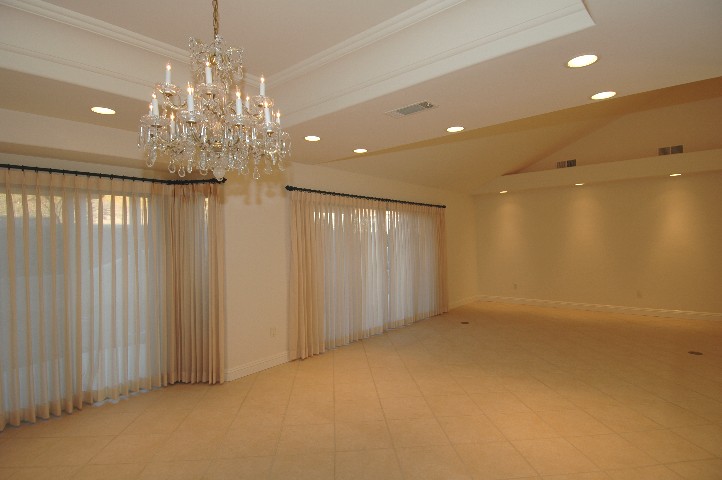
(475, 44)
(322, 83)
(97, 27)
(434, 62)
(385, 29)
(66, 62)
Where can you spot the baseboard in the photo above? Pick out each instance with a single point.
(650, 312)
(465, 301)
(256, 366)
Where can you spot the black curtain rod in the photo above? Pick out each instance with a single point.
(299, 189)
(109, 175)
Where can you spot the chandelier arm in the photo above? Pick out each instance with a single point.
(215, 18)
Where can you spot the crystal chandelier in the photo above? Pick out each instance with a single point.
(209, 126)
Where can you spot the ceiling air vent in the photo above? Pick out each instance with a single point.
(411, 109)
(567, 163)
(671, 150)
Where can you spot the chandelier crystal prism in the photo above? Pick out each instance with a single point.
(208, 126)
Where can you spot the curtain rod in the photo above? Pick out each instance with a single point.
(291, 188)
(109, 175)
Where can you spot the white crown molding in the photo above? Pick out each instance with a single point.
(323, 83)
(421, 12)
(104, 29)
(304, 99)
(647, 312)
(67, 62)
(476, 44)
(98, 27)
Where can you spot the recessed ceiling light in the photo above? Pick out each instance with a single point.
(504, 191)
(360, 150)
(312, 138)
(454, 129)
(582, 61)
(603, 95)
(675, 174)
(103, 110)
(578, 184)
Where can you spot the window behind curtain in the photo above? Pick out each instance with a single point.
(88, 304)
(360, 267)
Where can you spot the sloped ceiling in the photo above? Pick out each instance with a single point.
(334, 68)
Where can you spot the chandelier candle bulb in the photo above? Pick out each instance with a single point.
(167, 74)
(190, 99)
(278, 118)
(267, 114)
(154, 104)
(248, 102)
(239, 110)
(263, 86)
(209, 76)
(172, 125)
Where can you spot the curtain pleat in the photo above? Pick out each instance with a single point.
(360, 267)
(109, 287)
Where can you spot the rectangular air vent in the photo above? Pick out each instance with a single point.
(671, 150)
(567, 163)
(411, 109)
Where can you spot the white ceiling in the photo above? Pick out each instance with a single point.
(334, 68)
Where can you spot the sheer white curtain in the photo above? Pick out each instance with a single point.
(417, 263)
(91, 290)
(359, 267)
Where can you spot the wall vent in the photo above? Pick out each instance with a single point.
(411, 109)
(671, 150)
(567, 163)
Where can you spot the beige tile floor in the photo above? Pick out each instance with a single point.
(518, 392)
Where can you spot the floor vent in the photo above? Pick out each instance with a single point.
(411, 109)
(692, 352)
(567, 163)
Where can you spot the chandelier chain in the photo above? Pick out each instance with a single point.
(215, 18)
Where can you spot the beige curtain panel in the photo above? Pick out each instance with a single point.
(109, 287)
(360, 267)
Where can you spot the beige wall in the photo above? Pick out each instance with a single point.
(258, 246)
(645, 243)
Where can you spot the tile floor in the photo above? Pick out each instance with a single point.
(518, 392)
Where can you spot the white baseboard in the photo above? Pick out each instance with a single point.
(465, 301)
(650, 312)
(256, 366)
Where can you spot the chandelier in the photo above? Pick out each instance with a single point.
(208, 126)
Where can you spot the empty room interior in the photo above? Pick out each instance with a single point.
(409, 239)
